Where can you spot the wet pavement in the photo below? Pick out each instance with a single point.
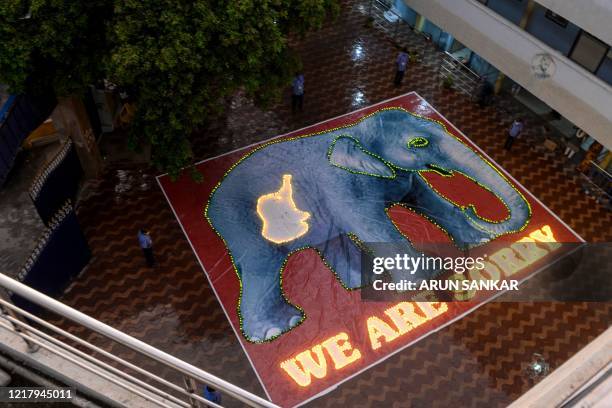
(477, 361)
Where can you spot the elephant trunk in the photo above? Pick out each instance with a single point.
(483, 172)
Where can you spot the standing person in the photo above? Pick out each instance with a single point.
(146, 243)
(514, 132)
(212, 395)
(402, 64)
(485, 92)
(297, 96)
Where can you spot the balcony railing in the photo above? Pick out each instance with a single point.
(39, 333)
(598, 182)
(386, 18)
(461, 77)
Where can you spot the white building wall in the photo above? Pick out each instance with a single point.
(593, 16)
(572, 91)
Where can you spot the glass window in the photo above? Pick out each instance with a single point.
(588, 51)
(512, 10)
(605, 69)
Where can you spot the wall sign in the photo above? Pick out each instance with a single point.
(543, 66)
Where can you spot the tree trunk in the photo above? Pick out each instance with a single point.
(70, 119)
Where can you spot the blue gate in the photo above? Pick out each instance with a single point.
(60, 255)
(57, 182)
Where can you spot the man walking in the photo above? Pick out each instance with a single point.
(297, 96)
(515, 131)
(146, 243)
(402, 64)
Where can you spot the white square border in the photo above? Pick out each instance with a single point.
(392, 353)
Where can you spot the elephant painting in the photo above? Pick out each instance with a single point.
(330, 191)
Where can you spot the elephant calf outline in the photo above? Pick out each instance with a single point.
(268, 315)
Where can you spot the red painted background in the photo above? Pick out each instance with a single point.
(308, 283)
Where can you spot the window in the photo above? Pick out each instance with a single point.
(556, 18)
(588, 51)
(605, 68)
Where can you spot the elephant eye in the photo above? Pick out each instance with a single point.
(418, 142)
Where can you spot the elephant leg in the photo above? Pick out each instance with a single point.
(264, 310)
(383, 239)
(451, 218)
(343, 256)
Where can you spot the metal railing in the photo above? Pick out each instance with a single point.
(598, 182)
(384, 17)
(460, 76)
(39, 333)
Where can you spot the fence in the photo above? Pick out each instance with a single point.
(22, 115)
(598, 182)
(60, 254)
(39, 333)
(385, 17)
(57, 182)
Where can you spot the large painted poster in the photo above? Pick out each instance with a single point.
(279, 229)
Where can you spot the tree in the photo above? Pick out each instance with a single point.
(52, 44)
(177, 59)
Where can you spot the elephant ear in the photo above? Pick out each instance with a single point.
(347, 153)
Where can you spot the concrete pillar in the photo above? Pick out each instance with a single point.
(523, 24)
(527, 14)
(419, 23)
(70, 119)
(499, 82)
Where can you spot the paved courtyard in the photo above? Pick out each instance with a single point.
(479, 360)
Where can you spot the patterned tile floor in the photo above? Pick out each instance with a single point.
(477, 361)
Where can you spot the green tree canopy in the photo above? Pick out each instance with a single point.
(178, 59)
